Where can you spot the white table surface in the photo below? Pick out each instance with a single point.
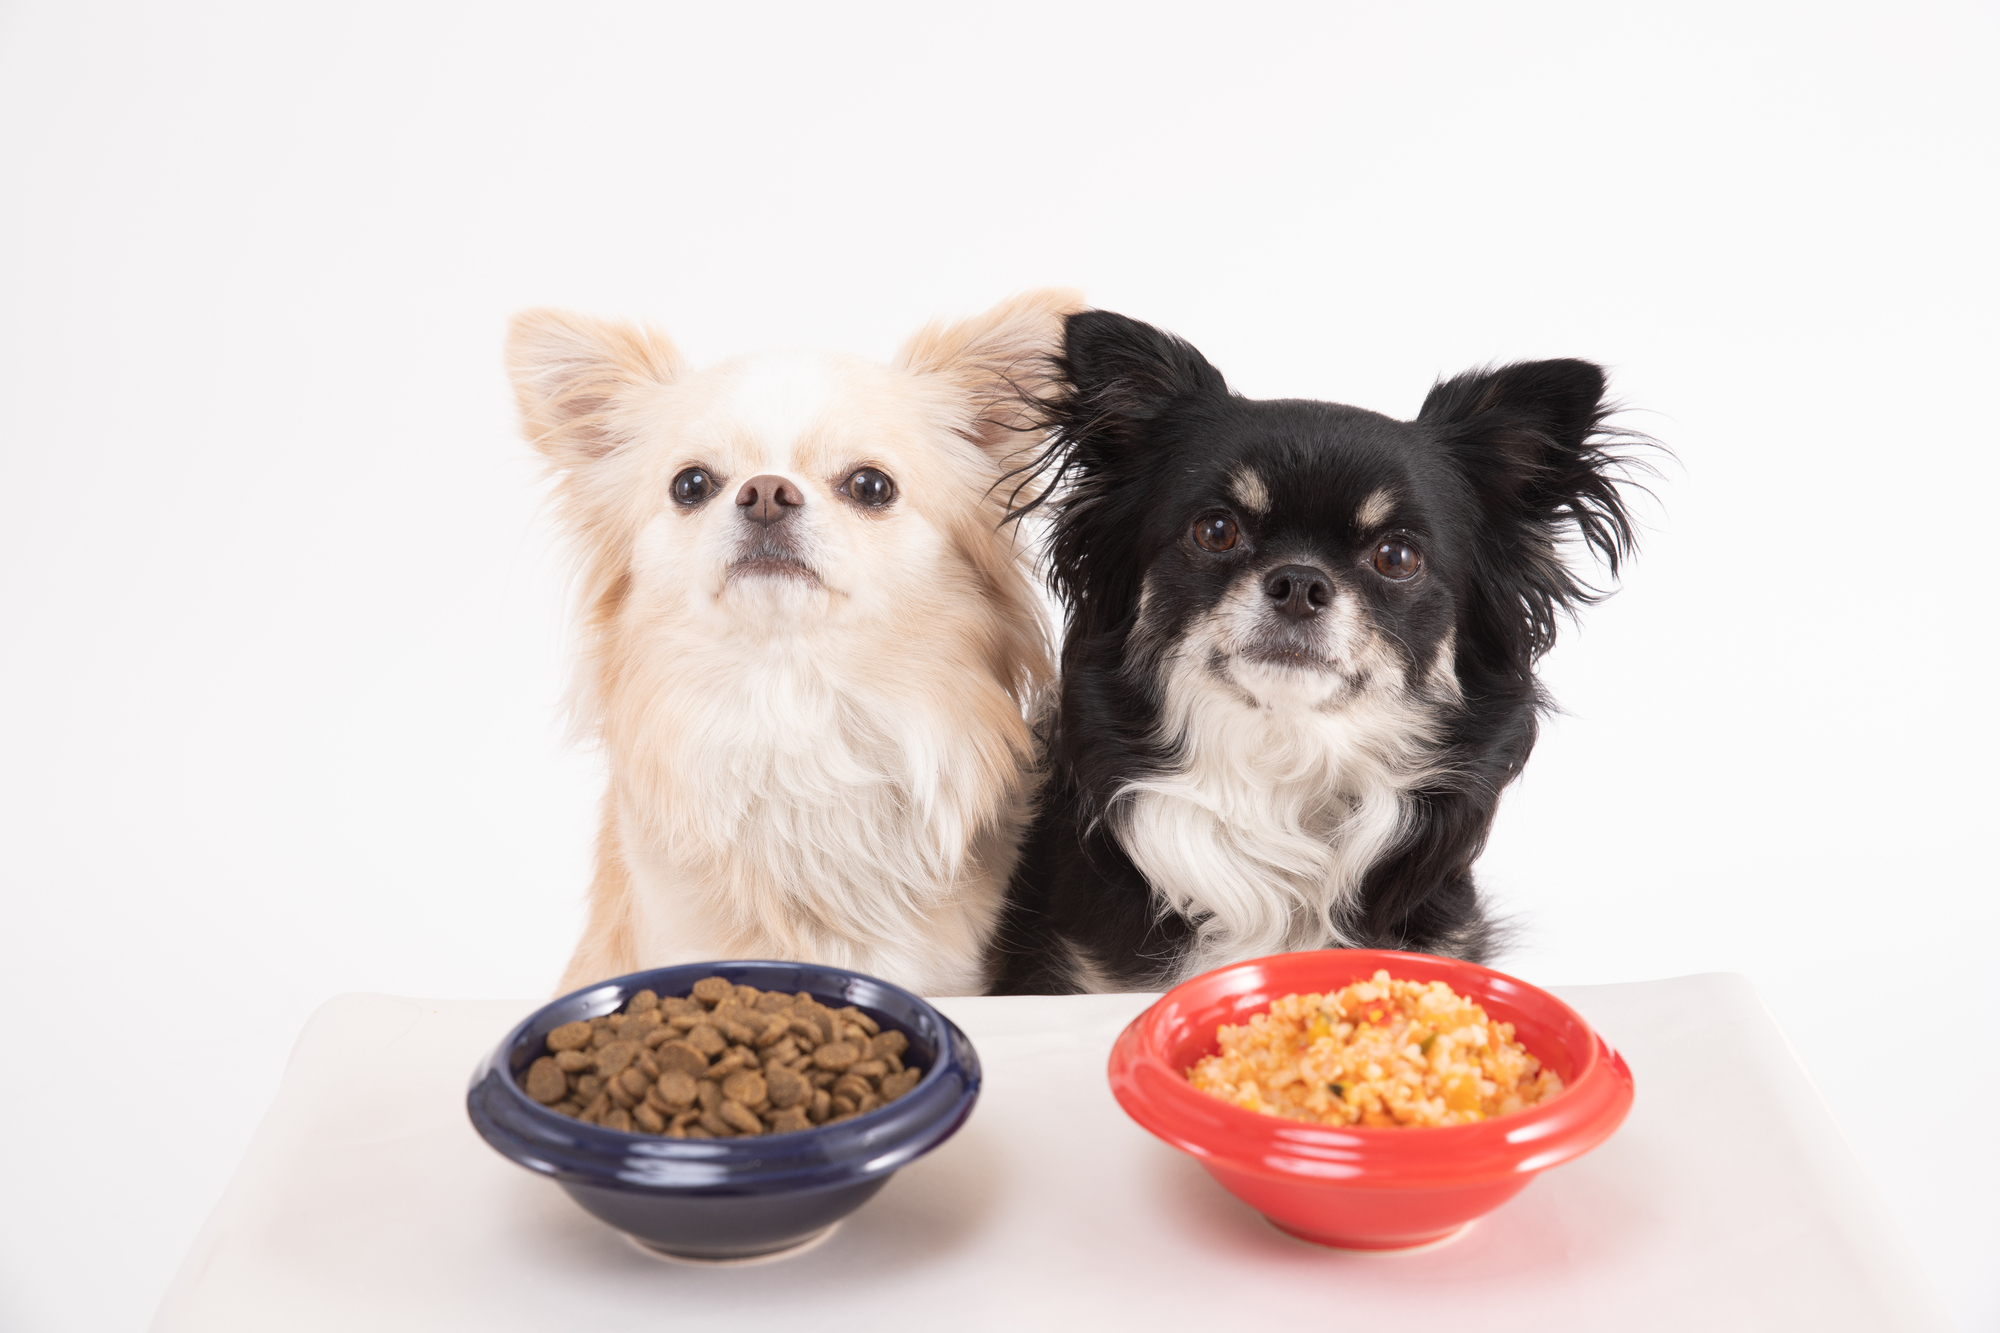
(1729, 1200)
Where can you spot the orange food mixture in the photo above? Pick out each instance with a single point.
(1380, 1052)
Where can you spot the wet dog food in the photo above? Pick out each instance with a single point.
(725, 1061)
(1381, 1052)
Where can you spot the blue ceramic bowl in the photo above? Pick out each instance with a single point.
(730, 1199)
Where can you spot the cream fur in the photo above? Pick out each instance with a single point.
(832, 768)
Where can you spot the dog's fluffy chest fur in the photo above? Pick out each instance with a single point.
(830, 817)
(1263, 830)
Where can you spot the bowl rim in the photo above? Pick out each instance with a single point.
(1158, 1096)
(825, 1156)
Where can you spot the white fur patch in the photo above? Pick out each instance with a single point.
(1292, 783)
(1248, 490)
(1444, 670)
(1085, 974)
(1375, 511)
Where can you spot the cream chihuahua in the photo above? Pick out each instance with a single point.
(809, 638)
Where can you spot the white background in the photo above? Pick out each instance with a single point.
(283, 623)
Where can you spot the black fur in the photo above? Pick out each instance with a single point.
(1498, 469)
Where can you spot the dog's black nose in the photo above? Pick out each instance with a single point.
(1299, 591)
(766, 498)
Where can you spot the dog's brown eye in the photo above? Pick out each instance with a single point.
(870, 486)
(1215, 532)
(1396, 560)
(692, 486)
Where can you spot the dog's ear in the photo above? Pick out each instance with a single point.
(1119, 374)
(1531, 439)
(998, 363)
(573, 376)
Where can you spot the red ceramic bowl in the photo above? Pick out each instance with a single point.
(1353, 1188)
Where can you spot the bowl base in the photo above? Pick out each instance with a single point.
(1348, 1246)
(813, 1241)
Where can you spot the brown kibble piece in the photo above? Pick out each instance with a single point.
(676, 1088)
(713, 1122)
(727, 1065)
(570, 1037)
(841, 1105)
(568, 1108)
(852, 1087)
(713, 990)
(612, 1058)
(545, 1082)
(601, 1037)
(641, 1002)
(836, 1055)
(572, 1061)
(822, 1078)
(786, 1088)
(634, 1082)
(646, 1118)
(739, 1034)
(679, 1055)
(867, 1024)
(895, 1085)
(776, 1028)
(708, 1094)
(868, 1068)
(618, 1118)
(772, 1001)
(747, 995)
(822, 1102)
(888, 1043)
(746, 1086)
(740, 1118)
(637, 1026)
(789, 1121)
(806, 1030)
(704, 1038)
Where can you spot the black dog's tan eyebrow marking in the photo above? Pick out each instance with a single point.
(1248, 490)
(1375, 510)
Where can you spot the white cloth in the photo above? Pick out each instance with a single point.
(1728, 1200)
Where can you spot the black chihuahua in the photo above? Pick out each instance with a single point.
(1299, 662)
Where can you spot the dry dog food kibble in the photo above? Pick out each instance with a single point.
(727, 1061)
(1381, 1053)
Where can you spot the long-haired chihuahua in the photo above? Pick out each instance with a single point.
(1298, 667)
(808, 638)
